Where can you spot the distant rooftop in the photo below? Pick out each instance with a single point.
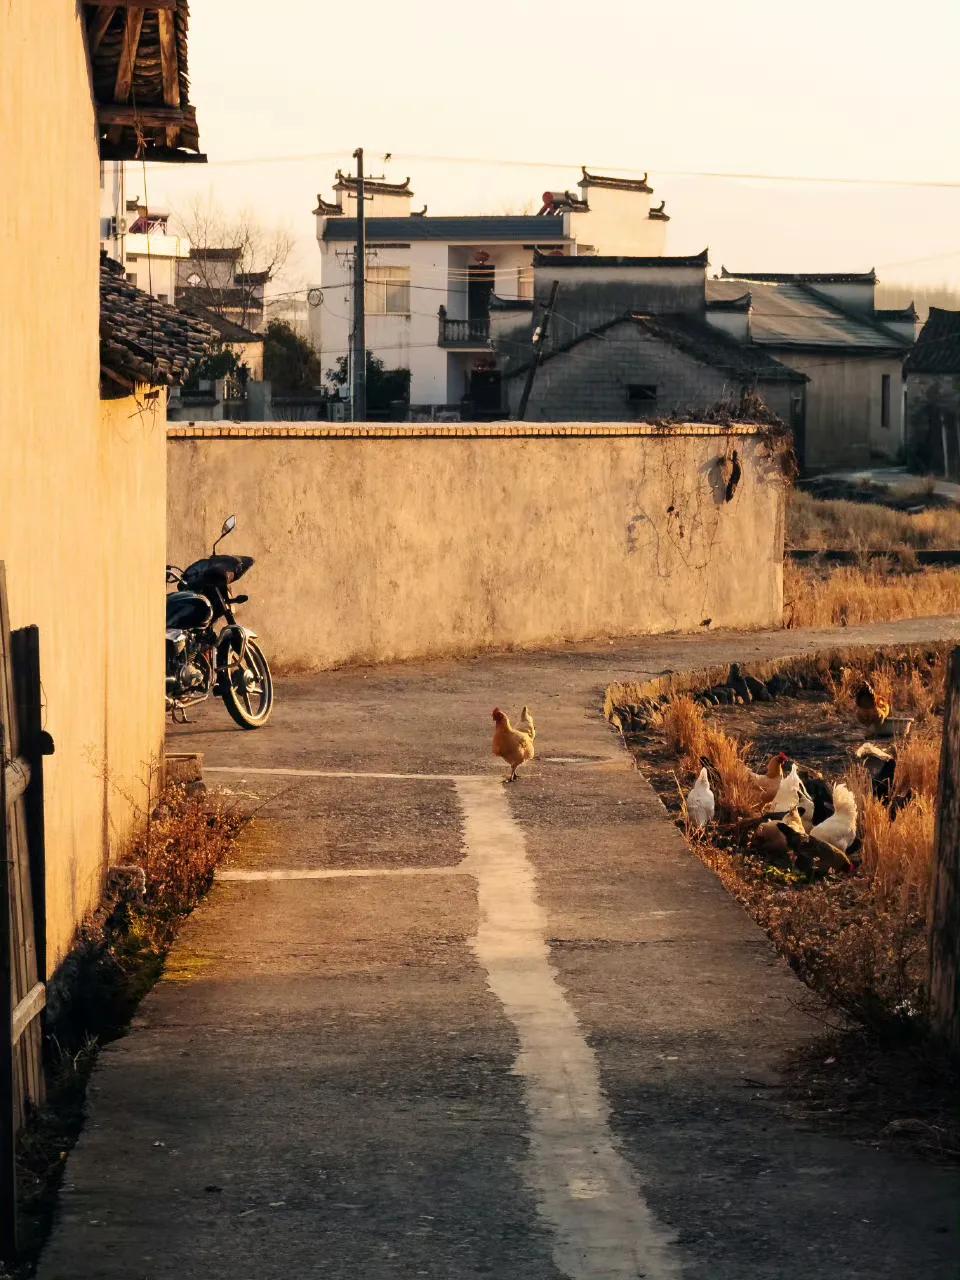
(803, 277)
(694, 338)
(615, 184)
(938, 346)
(348, 182)
(215, 255)
(469, 229)
(602, 260)
(790, 313)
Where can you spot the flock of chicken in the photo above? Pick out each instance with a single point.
(806, 825)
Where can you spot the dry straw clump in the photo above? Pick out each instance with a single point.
(690, 735)
(849, 595)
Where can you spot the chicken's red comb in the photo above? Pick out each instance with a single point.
(496, 712)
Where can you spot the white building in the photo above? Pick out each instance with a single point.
(430, 280)
(138, 237)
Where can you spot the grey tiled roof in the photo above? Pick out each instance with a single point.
(937, 348)
(473, 229)
(143, 340)
(792, 314)
(696, 339)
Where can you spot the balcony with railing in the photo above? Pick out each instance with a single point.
(463, 335)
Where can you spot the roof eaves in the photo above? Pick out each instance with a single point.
(142, 339)
(802, 277)
(140, 80)
(603, 260)
(614, 184)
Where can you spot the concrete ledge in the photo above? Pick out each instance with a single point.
(447, 431)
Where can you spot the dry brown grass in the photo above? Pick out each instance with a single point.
(847, 595)
(699, 741)
(856, 526)
(915, 686)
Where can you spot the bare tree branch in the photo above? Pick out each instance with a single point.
(232, 287)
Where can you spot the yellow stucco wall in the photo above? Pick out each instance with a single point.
(392, 545)
(82, 483)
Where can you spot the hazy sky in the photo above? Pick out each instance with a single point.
(833, 88)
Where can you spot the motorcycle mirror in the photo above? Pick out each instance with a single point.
(228, 527)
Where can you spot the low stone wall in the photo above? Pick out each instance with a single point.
(383, 543)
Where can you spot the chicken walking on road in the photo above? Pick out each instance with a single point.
(514, 745)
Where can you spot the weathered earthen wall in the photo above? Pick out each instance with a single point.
(82, 483)
(375, 544)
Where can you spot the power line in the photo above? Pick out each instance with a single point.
(509, 162)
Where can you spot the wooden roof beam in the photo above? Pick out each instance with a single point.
(127, 62)
(170, 67)
(110, 150)
(128, 54)
(98, 27)
(136, 4)
(151, 117)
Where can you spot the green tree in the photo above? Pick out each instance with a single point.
(220, 362)
(384, 386)
(289, 361)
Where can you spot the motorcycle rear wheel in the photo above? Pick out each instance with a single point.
(246, 685)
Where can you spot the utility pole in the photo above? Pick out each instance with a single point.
(359, 398)
(944, 911)
(539, 338)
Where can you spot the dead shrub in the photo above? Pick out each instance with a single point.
(180, 849)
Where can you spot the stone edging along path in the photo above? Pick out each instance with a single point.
(817, 646)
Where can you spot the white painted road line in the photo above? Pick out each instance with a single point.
(339, 873)
(585, 1190)
(340, 773)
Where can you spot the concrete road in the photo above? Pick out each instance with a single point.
(428, 1025)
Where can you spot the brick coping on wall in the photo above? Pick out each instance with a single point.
(447, 431)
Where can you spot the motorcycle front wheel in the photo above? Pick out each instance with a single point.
(246, 685)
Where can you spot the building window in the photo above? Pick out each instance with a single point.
(388, 291)
(163, 297)
(641, 393)
(132, 277)
(885, 400)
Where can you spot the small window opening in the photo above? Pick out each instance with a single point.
(885, 400)
(641, 393)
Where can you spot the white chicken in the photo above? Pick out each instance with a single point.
(840, 829)
(701, 803)
(788, 794)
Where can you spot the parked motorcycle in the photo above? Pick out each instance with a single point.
(202, 660)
